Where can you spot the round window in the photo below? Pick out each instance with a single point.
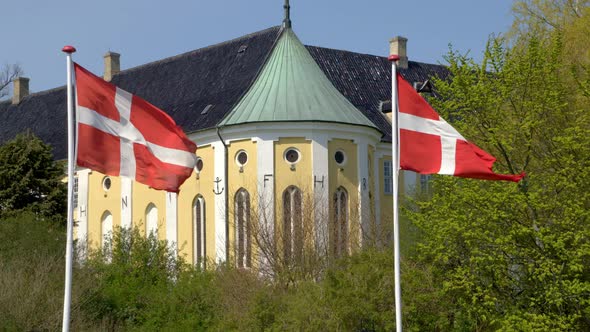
(241, 158)
(340, 157)
(199, 165)
(106, 183)
(292, 155)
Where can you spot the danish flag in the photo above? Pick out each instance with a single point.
(120, 134)
(429, 145)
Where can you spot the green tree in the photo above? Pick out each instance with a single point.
(30, 178)
(570, 19)
(514, 256)
(544, 15)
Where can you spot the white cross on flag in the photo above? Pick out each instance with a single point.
(120, 134)
(429, 145)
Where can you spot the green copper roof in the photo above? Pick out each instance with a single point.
(292, 87)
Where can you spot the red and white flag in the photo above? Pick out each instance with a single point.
(429, 145)
(120, 134)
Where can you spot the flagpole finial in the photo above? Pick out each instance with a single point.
(68, 49)
(393, 57)
(287, 19)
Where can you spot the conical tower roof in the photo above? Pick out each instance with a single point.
(292, 87)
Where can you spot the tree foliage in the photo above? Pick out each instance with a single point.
(541, 16)
(139, 282)
(32, 263)
(515, 256)
(30, 178)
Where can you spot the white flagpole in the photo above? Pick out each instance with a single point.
(395, 168)
(71, 147)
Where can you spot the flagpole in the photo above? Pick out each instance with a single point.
(69, 245)
(395, 165)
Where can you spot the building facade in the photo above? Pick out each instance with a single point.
(294, 149)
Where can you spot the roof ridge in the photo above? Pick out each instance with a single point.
(198, 50)
(429, 64)
(337, 49)
(368, 54)
(36, 94)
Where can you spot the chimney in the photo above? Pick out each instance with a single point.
(112, 65)
(398, 46)
(20, 89)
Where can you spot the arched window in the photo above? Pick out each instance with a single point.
(151, 220)
(199, 235)
(292, 225)
(243, 230)
(340, 225)
(106, 229)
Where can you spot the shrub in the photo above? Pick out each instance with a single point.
(32, 276)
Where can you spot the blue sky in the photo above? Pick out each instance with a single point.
(144, 31)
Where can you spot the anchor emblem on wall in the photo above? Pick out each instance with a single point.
(218, 191)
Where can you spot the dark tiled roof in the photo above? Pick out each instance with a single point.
(182, 85)
(43, 113)
(217, 75)
(366, 79)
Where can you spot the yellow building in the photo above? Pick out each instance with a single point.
(294, 150)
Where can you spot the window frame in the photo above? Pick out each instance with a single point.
(292, 225)
(106, 236)
(344, 158)
(387, 178)
(243, 244)
(341, 223)
(237, 158)
(149, 227)
(287, 151)
(199, 232)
